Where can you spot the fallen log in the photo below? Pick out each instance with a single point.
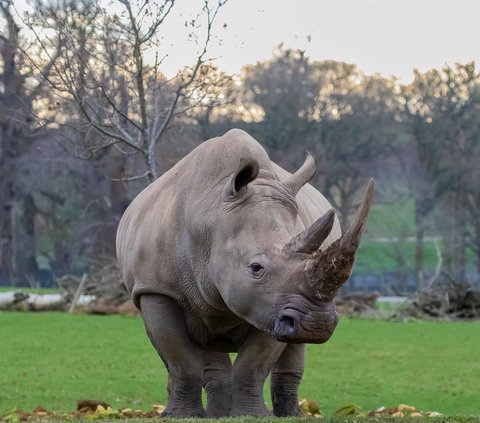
(444, 299)
(22, 301)
(357, 302)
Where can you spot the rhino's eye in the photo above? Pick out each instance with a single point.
(256, 268)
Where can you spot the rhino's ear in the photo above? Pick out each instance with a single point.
(237, 184)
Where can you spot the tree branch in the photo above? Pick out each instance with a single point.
(145, 174)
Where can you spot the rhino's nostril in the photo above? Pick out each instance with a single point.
(286, 324)
(288, 321)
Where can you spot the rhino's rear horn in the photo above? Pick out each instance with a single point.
(303, 175)
(247, 171)
(313, 237)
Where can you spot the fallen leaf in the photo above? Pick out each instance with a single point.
(350, 410)
(405, 407)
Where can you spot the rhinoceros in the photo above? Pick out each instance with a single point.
(227, 252)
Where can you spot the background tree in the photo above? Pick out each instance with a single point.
(472, 173)
(105, 79)
(440, 109)
(355, 118)
(328, 107)
(110, 98)
(87, 82)
(281, 90)
(17, 94)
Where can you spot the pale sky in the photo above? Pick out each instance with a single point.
(390, 37)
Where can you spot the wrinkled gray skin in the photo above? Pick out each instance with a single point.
(217, 258)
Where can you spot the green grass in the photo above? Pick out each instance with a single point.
(30, 290)
(376, 256)
(397, 221)
(459, 419)
(386, 306)
(383, 256)
(392, 219)
(434, 366)
(54, 359)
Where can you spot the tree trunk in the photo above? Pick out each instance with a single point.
(419, 276)
(7, 157)
(5, 220)
(17, 237)
(15, 106)
(477, 247)
(28, 242)
(116, 168)
(119, 199)
(459, 233)
(454, 238)
(419, 239)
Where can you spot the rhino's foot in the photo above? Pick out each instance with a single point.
(216, 414)
(219, 407)
(286, 405)
(256, 411)
(288, 412)
(285, 379)
(287, 409)
(181, 412)
(219, 402)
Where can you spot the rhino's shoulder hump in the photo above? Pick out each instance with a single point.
(220, 156)
(236, 134)
(237, 142)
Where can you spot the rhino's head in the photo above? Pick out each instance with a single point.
(280, 283)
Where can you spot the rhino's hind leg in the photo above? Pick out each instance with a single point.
(285, 379)
(166, 328)
(217, 381)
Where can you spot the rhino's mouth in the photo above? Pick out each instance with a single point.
(295, 325)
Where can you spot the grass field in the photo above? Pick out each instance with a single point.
(375, 256)
(30, 290)
(54, 359)
(395, 223)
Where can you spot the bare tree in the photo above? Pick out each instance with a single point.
(281, 89)
(109, 78)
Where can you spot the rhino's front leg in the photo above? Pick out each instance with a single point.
(255, 359)
(217, 381)
(285, 379)
(166, 328)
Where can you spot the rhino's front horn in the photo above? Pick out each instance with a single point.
(313, 237)
(302, 175)
(326, 271)
(351, 238)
